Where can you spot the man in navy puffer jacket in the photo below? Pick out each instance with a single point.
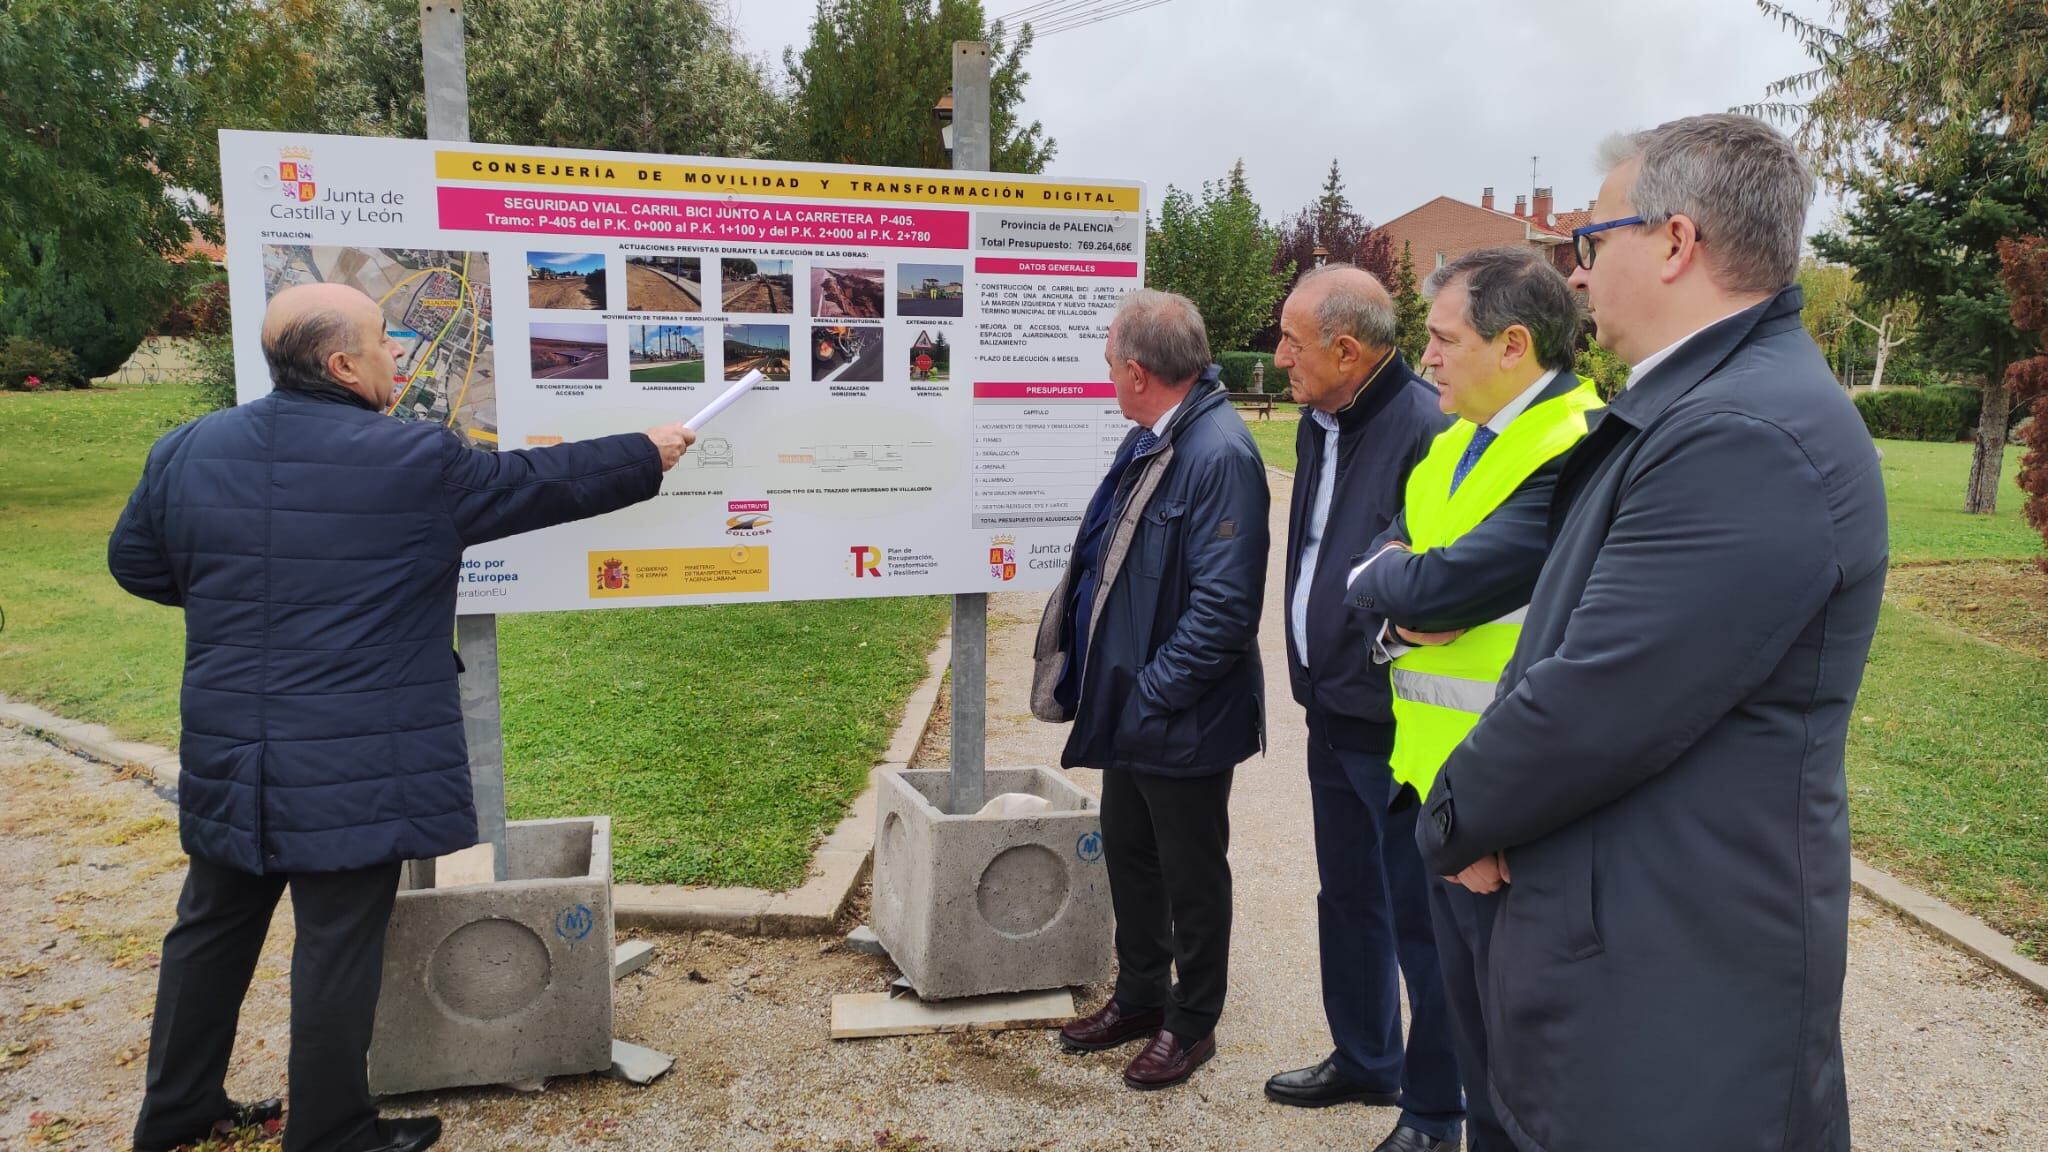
(314, 544)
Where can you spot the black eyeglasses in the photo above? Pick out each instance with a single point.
(1583, 247)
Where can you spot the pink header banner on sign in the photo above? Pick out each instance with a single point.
(551, 212)
(1103, 391)
(998, 266)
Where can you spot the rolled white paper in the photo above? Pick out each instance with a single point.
(724, 400)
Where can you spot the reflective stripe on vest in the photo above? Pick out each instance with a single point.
(1441, 690)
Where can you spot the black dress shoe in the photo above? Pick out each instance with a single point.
(1405, 1139)
(1324, 1085)
(239, 1116)
(409, 1134)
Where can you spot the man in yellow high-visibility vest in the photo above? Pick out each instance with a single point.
(1453, 575)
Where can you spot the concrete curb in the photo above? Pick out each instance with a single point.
(1958, 928)
(839, 867)
(154, 766)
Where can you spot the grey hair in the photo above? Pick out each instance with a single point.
(1514, 285)
(1741, 181)
(298, 352)
(1163, 332)
(1351, 309)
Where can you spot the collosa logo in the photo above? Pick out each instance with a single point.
(748, 518)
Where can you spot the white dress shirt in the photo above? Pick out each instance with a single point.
(1312, 535)
(1666, 352)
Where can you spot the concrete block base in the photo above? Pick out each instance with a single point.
(491, 983)
(969, 906)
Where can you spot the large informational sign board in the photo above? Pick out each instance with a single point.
(936, 410)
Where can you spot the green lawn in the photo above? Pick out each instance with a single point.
(1948, 771)
(724, 742)
(685, 372)
(1924, 485)
(74, 642)
(1275, 436)
(1948, 756)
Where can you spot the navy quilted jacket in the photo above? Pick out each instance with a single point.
(314, 545)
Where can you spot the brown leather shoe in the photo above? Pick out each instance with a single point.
(1166, 1061)
(1109, 1028)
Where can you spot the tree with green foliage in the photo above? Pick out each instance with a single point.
(1832, 296)
(1916, 79)
(1926, 93)
(110, 109)
(866, 83)
(1411, 311)
(1218, 251)
(661, 76)
(1841, 320)
(1930, 236)
(1608, 372)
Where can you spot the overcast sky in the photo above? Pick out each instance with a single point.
(1415, 99)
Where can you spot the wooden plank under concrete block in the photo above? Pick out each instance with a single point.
(631, 957)
(867, 1014)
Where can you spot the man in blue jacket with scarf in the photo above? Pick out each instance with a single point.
(314, 544)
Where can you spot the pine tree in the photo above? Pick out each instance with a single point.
(1411, 311)
(1930, 235)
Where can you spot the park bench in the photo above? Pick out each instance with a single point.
(1260, 402)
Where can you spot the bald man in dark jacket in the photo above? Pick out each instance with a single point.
(314, 543)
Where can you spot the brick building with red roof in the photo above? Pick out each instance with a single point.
(1445, 229)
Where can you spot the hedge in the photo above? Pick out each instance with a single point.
(1237, 371)
(1943, 415)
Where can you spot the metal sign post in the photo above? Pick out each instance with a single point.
(966, 784)
(476, 637)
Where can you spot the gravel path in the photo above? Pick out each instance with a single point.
(1943, 1054)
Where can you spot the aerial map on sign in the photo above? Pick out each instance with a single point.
(437, 304)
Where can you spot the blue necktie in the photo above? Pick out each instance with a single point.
(1481, 438)
(1146, 442)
